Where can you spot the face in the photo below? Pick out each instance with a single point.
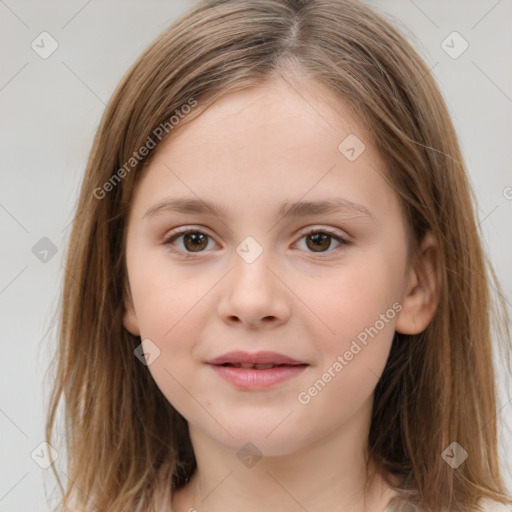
(323, 288)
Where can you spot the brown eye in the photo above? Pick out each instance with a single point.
(194, 241)
(319, 241)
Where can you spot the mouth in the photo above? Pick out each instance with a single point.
(259, 366)
(252, 372)
(261, 360)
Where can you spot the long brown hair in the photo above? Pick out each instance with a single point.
(127, 447)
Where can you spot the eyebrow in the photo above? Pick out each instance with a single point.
(188, 205)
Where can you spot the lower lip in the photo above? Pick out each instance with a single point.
(250, 378)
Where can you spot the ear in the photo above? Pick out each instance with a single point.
(129, 317)
(422, 290)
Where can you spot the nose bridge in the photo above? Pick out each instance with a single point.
(250, 250)
(251, 261)
(253, 293)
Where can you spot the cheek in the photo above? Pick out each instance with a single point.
(354, 297)
(173, 305)
(162, 292)
(171, 312)
(353, 356)
(356, 314)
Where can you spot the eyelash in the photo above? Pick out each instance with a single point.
(176, 235)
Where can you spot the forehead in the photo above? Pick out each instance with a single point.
(285, 108)
(277, 141)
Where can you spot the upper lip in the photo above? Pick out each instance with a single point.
(255, 358)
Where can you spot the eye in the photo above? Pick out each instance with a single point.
(320, 240)
(195, 241)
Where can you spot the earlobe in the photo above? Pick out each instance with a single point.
(129, 317)
(422, 291)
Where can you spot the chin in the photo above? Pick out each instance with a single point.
(254, 440)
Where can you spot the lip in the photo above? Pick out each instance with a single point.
(252, 378)
(264, 357)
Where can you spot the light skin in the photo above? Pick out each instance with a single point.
(253, 150)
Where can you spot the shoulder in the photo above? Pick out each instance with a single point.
(489, 505)
(485, 504)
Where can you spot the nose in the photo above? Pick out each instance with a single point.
(254, 295)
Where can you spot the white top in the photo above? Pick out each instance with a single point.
(495, 506)
(487, 505)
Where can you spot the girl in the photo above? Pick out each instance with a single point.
(276, 296)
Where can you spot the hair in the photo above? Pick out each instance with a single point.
(127, 447)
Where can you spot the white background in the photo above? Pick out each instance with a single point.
(51, 107)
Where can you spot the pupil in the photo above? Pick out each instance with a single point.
(320, 237)
(194, 237)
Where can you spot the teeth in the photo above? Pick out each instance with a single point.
(255, 366)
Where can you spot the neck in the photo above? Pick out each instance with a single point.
(330, 474)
